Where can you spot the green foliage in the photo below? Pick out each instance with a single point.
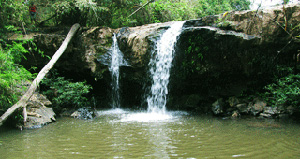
(285, 91)
(163, 11)
(10, 28)
(85, 12)
(114, 13)
(193, 60)
(212, 7)
(13, 12)
(66, 94)
(120, 11)
(12, 75)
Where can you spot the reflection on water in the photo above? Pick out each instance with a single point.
(124, 134)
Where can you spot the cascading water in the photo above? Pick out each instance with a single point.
(114, 59)
(160, 66)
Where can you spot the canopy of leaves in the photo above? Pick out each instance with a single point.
(114, 13)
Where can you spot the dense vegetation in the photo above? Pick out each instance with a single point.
(12, 75)
(14, 18)
(114, 13)
(65, 93)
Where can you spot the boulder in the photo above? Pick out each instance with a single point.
(265, 115)
(257, 107)
(37, 112)
(218, 107)
(233, 101)
(271, 110)
(190, 102)
(193, 100)
(83, 113)
(39, 117)
(235, 114)
(242, 108)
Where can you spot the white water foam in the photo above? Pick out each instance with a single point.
(160, 67)
(121, 115)
(112, 112)
(116, 61)
(146, 117)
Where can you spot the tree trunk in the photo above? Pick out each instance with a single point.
(40, 76)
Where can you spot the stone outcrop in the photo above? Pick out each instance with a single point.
(37, 112)
(135, 42)
(82, 53)
(222, 56)
(216, 56)
(249, 107)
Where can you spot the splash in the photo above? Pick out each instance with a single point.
(114, 59)
(160, 66)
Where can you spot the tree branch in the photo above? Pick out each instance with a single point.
(40, 76)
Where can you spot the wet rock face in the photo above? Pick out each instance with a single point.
(135, 42)
(215, 60)
(96, 41)
(81, 54)
(216, 56)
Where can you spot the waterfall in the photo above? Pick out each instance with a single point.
(116, 61)
(160, 66)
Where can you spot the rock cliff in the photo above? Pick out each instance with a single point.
(216, 56)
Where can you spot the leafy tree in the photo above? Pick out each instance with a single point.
(9, 10)
(285, 91)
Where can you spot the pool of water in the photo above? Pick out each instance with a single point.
(126, 134)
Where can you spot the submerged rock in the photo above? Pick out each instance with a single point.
(83, 113)
(217, 107)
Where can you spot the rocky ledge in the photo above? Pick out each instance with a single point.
(237, 107)
(216, 57)
(38, 114)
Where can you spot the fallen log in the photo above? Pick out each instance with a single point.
(40, 76)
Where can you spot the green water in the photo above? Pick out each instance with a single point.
(123, 134)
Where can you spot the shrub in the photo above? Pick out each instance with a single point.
(66, 94)
(285, 91)
(12, 75)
